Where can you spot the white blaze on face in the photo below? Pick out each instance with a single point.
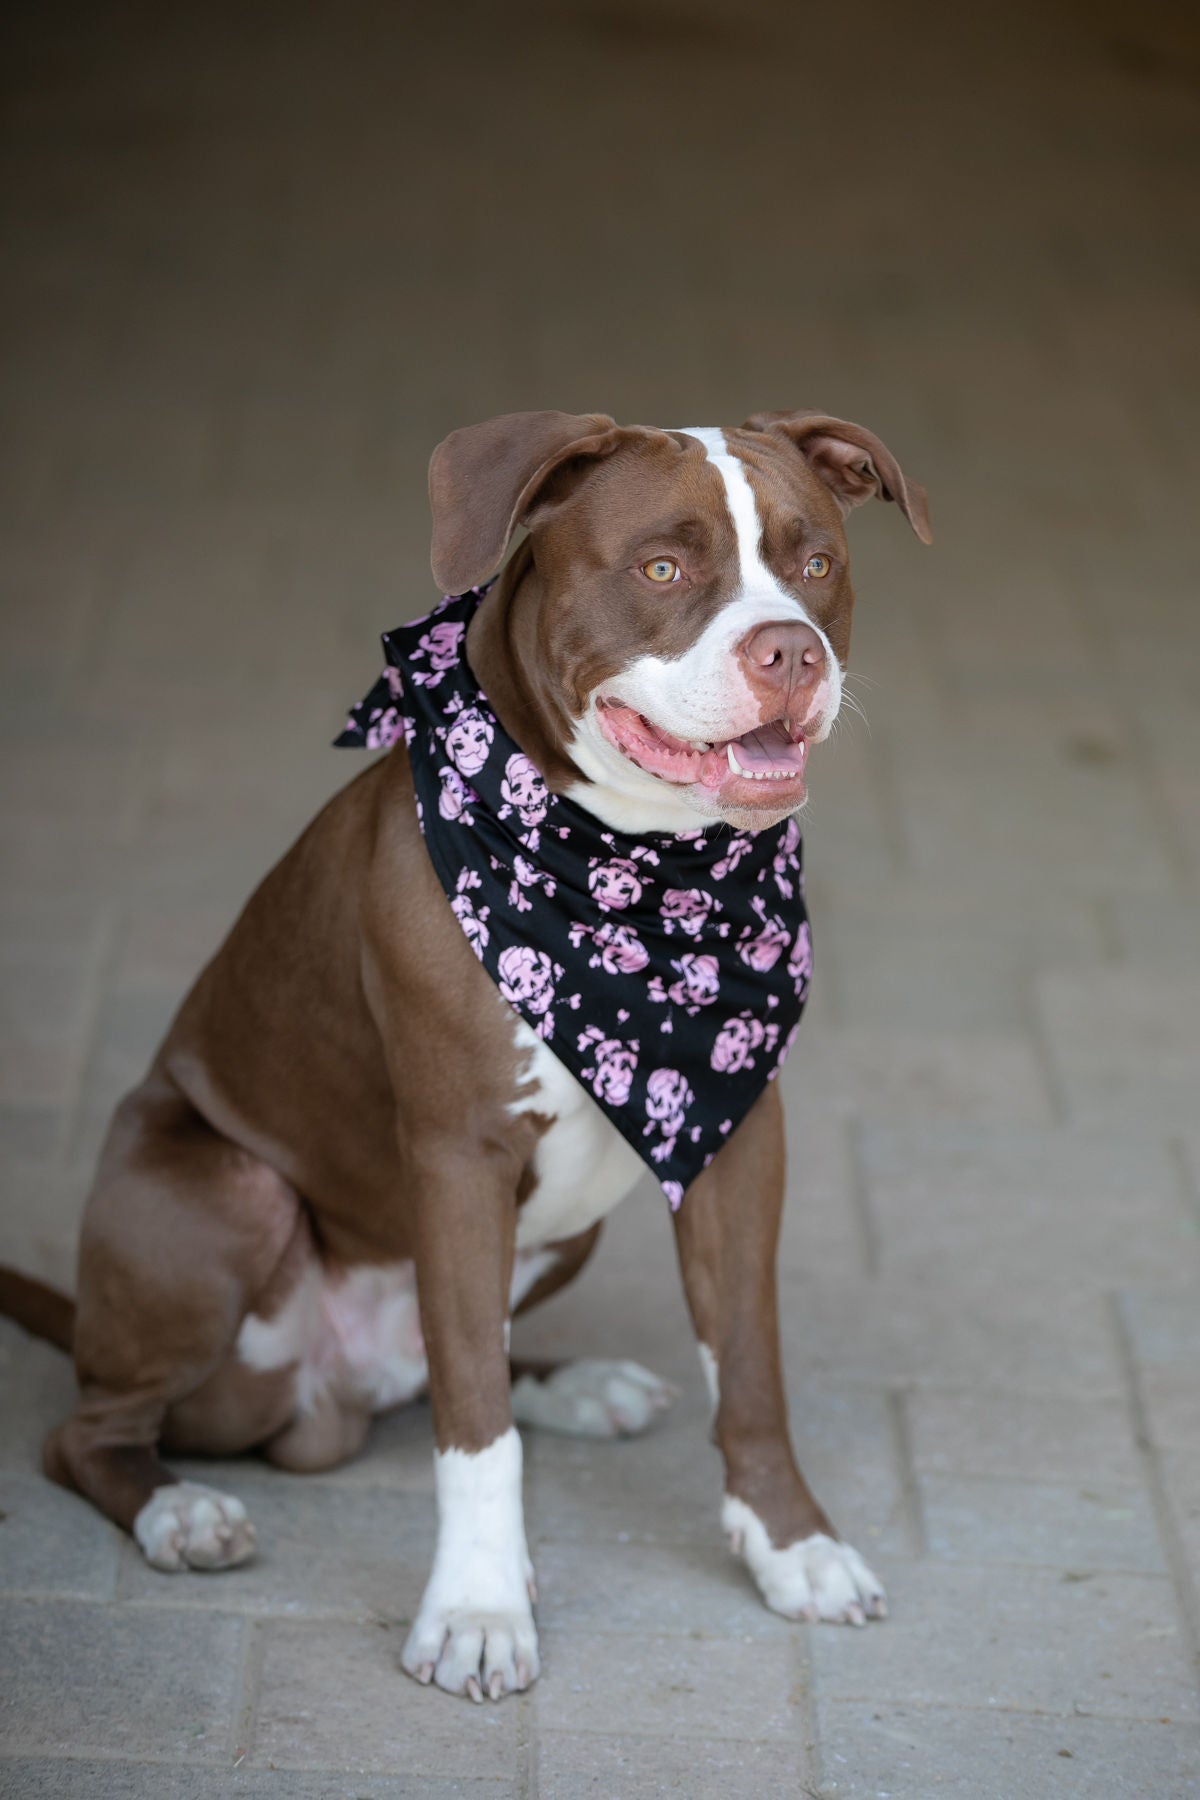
(703, 694)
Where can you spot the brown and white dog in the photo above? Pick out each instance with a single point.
(351, 1162)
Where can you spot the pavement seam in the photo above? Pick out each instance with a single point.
(913, 1510)
(244, 1720)
(1174, 1552)
(1181, 1164)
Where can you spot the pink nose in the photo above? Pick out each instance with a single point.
(787, 654)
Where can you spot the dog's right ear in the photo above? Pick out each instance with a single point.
(484, 479)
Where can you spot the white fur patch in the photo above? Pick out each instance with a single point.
(185, 1525)
(712, 1379)
(703, 694)
(355, 1333)
(592, 1398)
(817, 1578)
(583, 1165)
(475, 1633)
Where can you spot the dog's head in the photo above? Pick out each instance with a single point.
(685, 610)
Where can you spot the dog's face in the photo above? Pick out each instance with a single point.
(694, 597)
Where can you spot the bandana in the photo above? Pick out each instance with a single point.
(668, 972)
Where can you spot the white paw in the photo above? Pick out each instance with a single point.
(185, 1525)
(817, 1578)
(475, 1633)
(593, 1398)
(483, 1654)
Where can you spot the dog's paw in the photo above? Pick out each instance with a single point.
(593, 1398)
(484, 1655)
(185, 1525)
(816, 1578)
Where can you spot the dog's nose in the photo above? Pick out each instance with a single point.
(785, 652)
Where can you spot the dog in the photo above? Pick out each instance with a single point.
(361, 1149)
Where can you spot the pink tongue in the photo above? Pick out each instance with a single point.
(769, 748)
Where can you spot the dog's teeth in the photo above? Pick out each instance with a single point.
(734, 764)
(698, 744)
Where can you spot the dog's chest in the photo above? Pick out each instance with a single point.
(583, 1165)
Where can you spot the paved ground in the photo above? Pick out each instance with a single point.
(259, 260)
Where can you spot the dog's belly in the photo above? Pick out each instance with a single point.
(355, 1333)
(584, 1167)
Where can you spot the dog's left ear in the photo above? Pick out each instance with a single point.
(852, 462)
(485, 479)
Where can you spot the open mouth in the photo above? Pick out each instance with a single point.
(771, 756)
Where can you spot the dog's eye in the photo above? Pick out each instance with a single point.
(663, 568)
(817, 567)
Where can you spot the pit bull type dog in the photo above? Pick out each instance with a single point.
(353, 1160)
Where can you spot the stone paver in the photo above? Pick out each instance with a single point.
(254, 269)
(370, 1716)
(1046, 1640)
(913, 1753)
(81, 1678)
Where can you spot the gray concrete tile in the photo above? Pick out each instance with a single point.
(1032, 1435)
(822, 1224)
(37, 1391)
(1181, 1476)
(664, 1488)
(1149, 1069)
(1172, 1401)
(1036, 1640)
(691, 1590)
(958, 803)
(668, 1687)
(989, 1334)
(1102, 1526)
(334, 1696)
(1101, 1207)
(1164, 1330)
(912, 1752)
(1155, 933)
(584, 1765)
(45, 1778)
(50, 979)
(53, 1542)
(90, 1679)
(986, 1078)
(916, 952)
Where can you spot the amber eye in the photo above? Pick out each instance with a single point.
(663, 568)
(817, 567)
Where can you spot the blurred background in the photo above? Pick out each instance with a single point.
(257, 260)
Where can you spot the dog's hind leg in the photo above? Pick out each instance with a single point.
(593, 1397)
(183, 1231)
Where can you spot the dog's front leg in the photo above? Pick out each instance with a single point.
(727, 1231)
(474, 1633)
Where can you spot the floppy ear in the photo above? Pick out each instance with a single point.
(851, 461)
(484, 478)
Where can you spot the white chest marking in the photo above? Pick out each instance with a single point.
(584, 1166)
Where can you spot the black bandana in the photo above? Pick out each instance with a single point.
(668, 972)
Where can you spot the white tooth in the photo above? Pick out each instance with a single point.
(734, 764)
(787, 726)
(698, 744)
